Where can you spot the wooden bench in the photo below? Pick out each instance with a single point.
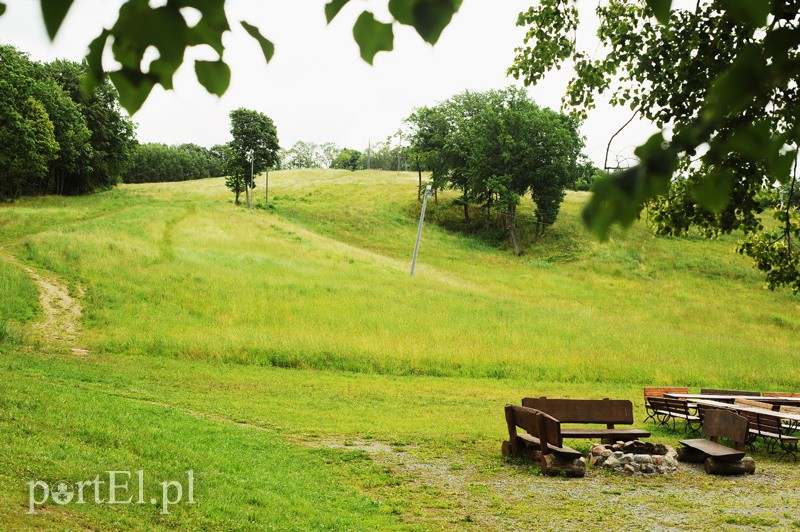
(771, 428)
(666, 409)
(719, 458)
(542, 441)
(522, 445)
(606, 412)
(658, 392)
(713, 391)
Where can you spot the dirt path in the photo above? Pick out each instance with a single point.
(60, 326)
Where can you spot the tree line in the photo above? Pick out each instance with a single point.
(56, 137)
(158, 163)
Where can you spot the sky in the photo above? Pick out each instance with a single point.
(317, 88)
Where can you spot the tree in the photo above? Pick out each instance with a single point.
(140, 26)
(113, 135)
(428, 131)
(519, 148)
(158, 163)
(254, 148)
(722, 77)
(347, 159)
(303, 155)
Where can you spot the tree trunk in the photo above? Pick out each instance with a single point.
(552, 465)
(512, 229)
(720, 467)
(237, 195)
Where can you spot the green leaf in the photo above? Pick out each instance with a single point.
(2, 8)
(94, 60)
(714, 191)
(215, 76)
(753, 12)
(428, 17)
(54, 12)
(212, 25)
(134, 87)
(266, 45)
(662, 8)
(332, 8)
(372, 36)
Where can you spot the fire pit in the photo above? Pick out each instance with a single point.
(635, 458)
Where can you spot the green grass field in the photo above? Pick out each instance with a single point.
(287, 358)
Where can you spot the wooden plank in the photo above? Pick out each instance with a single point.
(713, 391)
(717, 450)
(602, 411)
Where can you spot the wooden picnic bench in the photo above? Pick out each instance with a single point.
(667, 408)
(608, 412)
(718, 458)
(658, 392)
(767, 424)
(542, 441)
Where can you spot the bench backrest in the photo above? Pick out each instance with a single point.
(718, 423)
(605, 411)
(765, 422)
(781, 394)
(524, 418)
(713, 391)
(750, 402)
(549, 431)
(661, 390)
(535, 423)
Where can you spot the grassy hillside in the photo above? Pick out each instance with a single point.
(289, 359)
(320, 280)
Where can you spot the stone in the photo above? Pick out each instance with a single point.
(642, 459)
(605, 453)
(629, 469)
(658, 459)
(661, 449)
(611, 463)
(617, 454)
(626, 459)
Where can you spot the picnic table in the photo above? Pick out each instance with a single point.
(776, 402)
(788, 416)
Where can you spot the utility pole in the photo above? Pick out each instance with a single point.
(249, 185)
(419, 229)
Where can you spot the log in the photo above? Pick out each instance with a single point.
(692, 456)
(552, 465)
(506, 449)
(523, 450)
(719, 467)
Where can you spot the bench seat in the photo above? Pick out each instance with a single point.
(687, 417)
(608, 434)
(564, 452)
(714, 449)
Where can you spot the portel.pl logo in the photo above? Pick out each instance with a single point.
(122, 487)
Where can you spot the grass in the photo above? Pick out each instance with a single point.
(267, 351)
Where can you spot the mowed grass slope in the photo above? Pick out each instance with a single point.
(319, 279)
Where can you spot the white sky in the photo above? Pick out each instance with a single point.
(317, 88)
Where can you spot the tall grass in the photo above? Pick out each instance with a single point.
(320, 280)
